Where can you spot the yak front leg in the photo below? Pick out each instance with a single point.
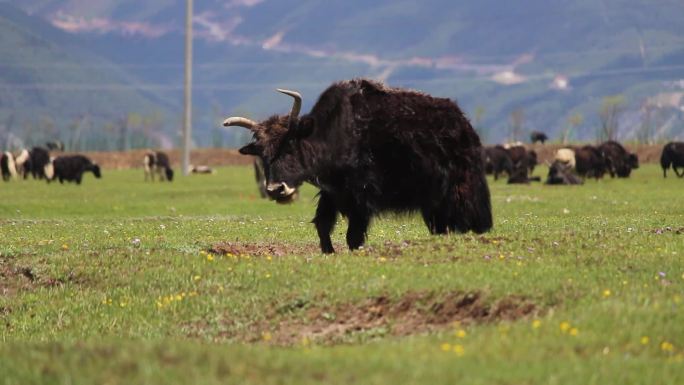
(325, 219)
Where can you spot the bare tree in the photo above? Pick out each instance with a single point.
(575, 120)
(477, 122)
(645, 134)
(517, 121)
(609, 113)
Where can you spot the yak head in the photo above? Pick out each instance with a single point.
(96, 171)
(277, 141)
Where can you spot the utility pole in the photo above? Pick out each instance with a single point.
(187, 113)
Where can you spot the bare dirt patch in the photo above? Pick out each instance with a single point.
(668, 229)
(14, 279)
(263, 249)
(412, 313)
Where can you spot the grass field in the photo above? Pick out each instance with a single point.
(199, 282)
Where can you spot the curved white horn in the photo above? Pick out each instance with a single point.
(296, 105)
(239, 121)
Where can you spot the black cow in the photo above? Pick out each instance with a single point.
(497, 161)
(560, 173)
(39, 158)
(55, 145)
(618, 161)
(589, 162)
(70, 168)
(157, 163)
(373, 149)
(673, 155)
(538, 136)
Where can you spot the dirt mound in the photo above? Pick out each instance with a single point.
(263, 249)
(14, 279)
(412, 313)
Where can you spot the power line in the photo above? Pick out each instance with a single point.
(312, 84)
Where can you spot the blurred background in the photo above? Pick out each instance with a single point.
(108, 74)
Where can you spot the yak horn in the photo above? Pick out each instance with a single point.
(296, 105)
(238, 121)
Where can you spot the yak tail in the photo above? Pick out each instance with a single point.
(472, 208)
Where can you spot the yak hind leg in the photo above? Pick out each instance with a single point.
(325, 219)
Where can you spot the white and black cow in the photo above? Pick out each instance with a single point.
(8, 166)
(157, 163)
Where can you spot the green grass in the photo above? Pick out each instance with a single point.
(124, 292)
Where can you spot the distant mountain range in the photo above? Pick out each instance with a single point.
(109, 72)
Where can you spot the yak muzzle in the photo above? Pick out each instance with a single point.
(280, 192)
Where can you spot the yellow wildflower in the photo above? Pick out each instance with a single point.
(536, 324)
(460, 333)
(574, 332)
(210, 257)
(266, 336)
(667, 347)
(645, 340)
(564, 326)
(65, 247)
(606, 293)
(196, 278)
(445, 347)
(459, 350)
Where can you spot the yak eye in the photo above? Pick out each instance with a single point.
(250, 149)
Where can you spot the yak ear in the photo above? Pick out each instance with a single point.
(250, 149)
(304, 127)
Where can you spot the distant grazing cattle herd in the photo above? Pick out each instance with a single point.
(38, 163)
(573, 164)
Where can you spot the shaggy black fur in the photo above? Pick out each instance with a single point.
(497, 161)
(538, 136)
(72, 167)
(561, 173)
(372, 149)
(589, 162)
(39, 158)
(618, 161)
(673, 155)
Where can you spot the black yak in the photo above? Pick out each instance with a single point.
(537, 136)
(673, 155)
(561, 173)
(72, 167)
(39, 160)
(590, 162)
(372, 149)
(618, 161)
(497, 161)
(524, 162)
(157, 163)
